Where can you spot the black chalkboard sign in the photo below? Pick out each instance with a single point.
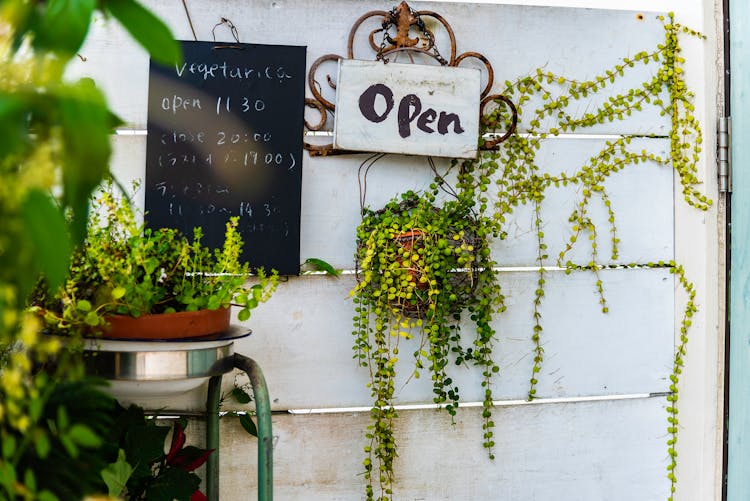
(225, 139)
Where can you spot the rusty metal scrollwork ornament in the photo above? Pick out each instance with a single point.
(413, 37)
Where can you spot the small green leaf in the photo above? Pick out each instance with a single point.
(69, 446)
(84, 436)
(248, 424)
(29, 480)
(83, 305)
(92, 318)
(321, 265)
(118, 292)
(62, 419)
(116, 475)
(63, 24)
(151, 264)
(47, 232)
(47, 496)
(7, 475)
(41, 443)
(241, 396)
(213, 302)
(36, 406)
(9, 446)
(243, 315)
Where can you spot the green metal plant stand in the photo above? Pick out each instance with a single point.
(140, 368)
(265, 434)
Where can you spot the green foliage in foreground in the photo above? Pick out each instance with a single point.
(54, 150)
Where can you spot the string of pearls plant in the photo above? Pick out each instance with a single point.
(421, 267)
(425, 264)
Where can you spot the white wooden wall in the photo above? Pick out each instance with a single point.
(599, 429)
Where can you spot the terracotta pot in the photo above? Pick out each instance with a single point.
(180, 325)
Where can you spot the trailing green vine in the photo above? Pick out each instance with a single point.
(685, 137)
(408, 291)
(422, 265)
(679, 362)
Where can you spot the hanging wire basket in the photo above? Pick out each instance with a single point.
(430, 257)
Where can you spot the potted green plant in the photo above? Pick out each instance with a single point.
(128, 280)
(421, 265)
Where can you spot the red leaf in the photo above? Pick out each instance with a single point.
(178, 440)
(198, 496)
(189, 458)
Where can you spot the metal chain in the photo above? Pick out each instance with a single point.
(437, 53)
(387, 23)
(430, 37)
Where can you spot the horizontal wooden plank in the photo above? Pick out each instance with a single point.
(641, 196)
(516, 40)
(612, 450)
(301, 339)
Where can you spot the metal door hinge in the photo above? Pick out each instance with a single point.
(724, 154)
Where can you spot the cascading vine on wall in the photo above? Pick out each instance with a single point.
(425, 262)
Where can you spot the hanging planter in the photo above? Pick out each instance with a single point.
(425, 255)
(420, 267)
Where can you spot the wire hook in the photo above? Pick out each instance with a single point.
(232, 29)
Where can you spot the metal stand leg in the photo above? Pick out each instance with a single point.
(212, 437)
(265, 433)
